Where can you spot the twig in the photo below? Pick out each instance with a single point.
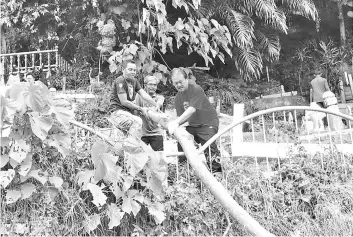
(228, 227)
(105, 138)
(162, 58)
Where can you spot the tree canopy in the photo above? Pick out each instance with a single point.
(246, 30)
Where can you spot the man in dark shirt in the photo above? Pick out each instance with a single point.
(193, 106)
(122, 102)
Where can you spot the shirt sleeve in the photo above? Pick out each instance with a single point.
(178, 107)
(197, 98)
(137, 86)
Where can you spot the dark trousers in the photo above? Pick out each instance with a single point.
(156, 142)
(201, 135)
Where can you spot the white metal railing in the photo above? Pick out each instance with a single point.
(26, 62)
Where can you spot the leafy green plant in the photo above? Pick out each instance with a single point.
(30, 121)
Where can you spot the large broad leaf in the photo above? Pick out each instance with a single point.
(129, 205)
(115, 215)
(8, 109)
(27, 190)
(135, 157)
(40, 124)
(36, 97)
(12, 196)
(6, 177)
(19, 151)
(5, 146)
(39, 175)
(157, 172)
(97, 150)
(61, 141)
(63, 115)
(56, 181)
(4, 159)
(128, 179)
(104, 163)
(113, 172)
(157, 211)
(92, 222)
(25, 165)
(84, 178)
(99, 198)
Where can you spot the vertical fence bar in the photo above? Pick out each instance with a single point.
(296, 121)
(18, 64)
(276, 137)
(56, 57)
(253, 139)
(41, 61)
(264, 133)
(342, 155)
(26, 63)
(318, 134)
(11, 64)
(33, 62)
(49, 62)
(329, 131)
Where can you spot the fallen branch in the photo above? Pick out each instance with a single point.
(216, 188)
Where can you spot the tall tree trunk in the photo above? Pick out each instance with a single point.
(341, 22)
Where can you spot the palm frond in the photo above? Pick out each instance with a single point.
(240, 26)
(249, 62)
(304, 8)
(268, 44)
(266, 10)
(208, 8)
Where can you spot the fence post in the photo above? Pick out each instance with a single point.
(343, 97)
(56, 58)
(238, 113)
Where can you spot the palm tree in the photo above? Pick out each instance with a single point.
(255, 26)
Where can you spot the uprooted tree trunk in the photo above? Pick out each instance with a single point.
(216, 188)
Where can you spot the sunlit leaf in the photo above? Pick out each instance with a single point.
(135, 158)
(99, 197)
(115, 215)
(25, 166)
(126, 206)
(128, 179)
(8, 109)
(56, 181)
(61, 141)
(4, 159)
(125, 24)
(39, 175)
(12, 196)
(40, 124)
(92, 222)
(84, 178)
(97, 150)
(63, 115)
(6, 177)
(36, 97)
(27, 190)
(133, 49)
(157, 211)
(19, 150)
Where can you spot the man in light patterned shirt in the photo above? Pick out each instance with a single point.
(152, 134)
